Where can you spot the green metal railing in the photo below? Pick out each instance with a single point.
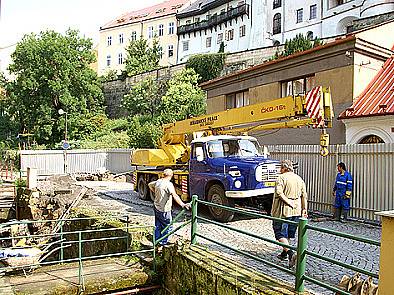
(301, 249)
(65, 239)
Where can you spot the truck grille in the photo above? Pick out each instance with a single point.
(267, 172)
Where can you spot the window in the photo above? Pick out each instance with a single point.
(188, 22)
(150, 32)
(312, 11)
(208, 42)
(223, 11)
(171, 27)
(196, 19)
(236, 100)
(242, 31)
(120, 38)
(161, 30)
(220, 38)
(298, 86)
(109, 40)
(230, 35)
(240, 3)
(277, 3)
(108, 60)
(185, 45)
(309, 35)
(170, 50)
(134, 36)
(120, 58)
(277, 24)
(300, 15)
(208, 16)
(161, 51)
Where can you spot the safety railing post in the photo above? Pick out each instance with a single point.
(127, 234)
(301, 255)
(194, 220)
(154, 248)
(61, 244)
(80, 268)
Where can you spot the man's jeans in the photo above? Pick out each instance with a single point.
(162, 220)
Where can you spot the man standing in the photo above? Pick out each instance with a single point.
(290, 203)
(342, 191)
(164, 193)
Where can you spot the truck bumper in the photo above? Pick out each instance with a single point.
(250, 193)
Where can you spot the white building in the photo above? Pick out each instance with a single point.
(251, 24)
(205, 24)
(320, 18)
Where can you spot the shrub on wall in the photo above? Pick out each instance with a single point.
(207, 66)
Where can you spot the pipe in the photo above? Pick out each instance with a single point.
(136, 290)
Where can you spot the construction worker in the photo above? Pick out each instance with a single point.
(290, 203)
(342, 191)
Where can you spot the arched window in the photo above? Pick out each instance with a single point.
(277, 24)
(309, 35)
(371, 139)
(276, 42)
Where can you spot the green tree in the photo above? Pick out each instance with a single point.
(207, 66)
(52, 72)
(297, 44)
(141, 57)
(183, 98)
(152, 103)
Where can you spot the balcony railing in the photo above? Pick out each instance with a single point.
(214, 20)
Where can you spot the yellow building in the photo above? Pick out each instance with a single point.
(155, 21)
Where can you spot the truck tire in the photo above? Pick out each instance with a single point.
(216, 195)
(143, 189)
(151, 193)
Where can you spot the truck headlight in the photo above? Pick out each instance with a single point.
(234, 173)
(237, 184)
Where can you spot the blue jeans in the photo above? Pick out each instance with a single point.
(162, 220)
(285, 230)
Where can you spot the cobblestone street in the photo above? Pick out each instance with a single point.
(120, 198)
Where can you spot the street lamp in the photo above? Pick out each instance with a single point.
(61, 113)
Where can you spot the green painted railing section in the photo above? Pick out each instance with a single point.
(302, 245)
(80, 241)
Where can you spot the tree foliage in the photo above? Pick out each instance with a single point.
(141, 57)
(207, 66)
(52, 72)
(152, 103)
(297, 44)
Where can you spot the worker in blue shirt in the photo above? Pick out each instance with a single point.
(342, 191)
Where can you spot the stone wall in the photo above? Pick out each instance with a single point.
(115, 90)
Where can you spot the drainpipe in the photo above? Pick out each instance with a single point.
(283, 21)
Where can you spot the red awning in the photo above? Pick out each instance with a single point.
(378, 98)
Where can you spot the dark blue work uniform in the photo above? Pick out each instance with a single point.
(343, 184)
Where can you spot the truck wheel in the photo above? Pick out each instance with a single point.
(143, 189)
(152, 194)
(216, 195)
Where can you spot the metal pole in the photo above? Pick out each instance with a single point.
(194, 220)
(301, 254)
(65, 134)
(127, 234)
(80, 270)
(154, 248)
(61, 244)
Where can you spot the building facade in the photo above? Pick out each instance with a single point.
(156, 21)
(346, 65)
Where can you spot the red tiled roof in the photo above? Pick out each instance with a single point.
(378, 98)
(162, 9)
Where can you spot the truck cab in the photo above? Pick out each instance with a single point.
(230, 170)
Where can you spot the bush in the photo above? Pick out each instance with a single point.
(207, 66)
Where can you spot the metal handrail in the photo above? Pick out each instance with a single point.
(302, 245)
(65, 243)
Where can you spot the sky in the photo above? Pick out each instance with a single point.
(19, 17)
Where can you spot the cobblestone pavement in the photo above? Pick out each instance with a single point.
(120, 198)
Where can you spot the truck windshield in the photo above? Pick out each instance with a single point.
(233, 147)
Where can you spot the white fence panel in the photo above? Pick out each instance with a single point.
(372, 168)
(49, 162)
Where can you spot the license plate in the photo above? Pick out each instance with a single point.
(269, 183)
